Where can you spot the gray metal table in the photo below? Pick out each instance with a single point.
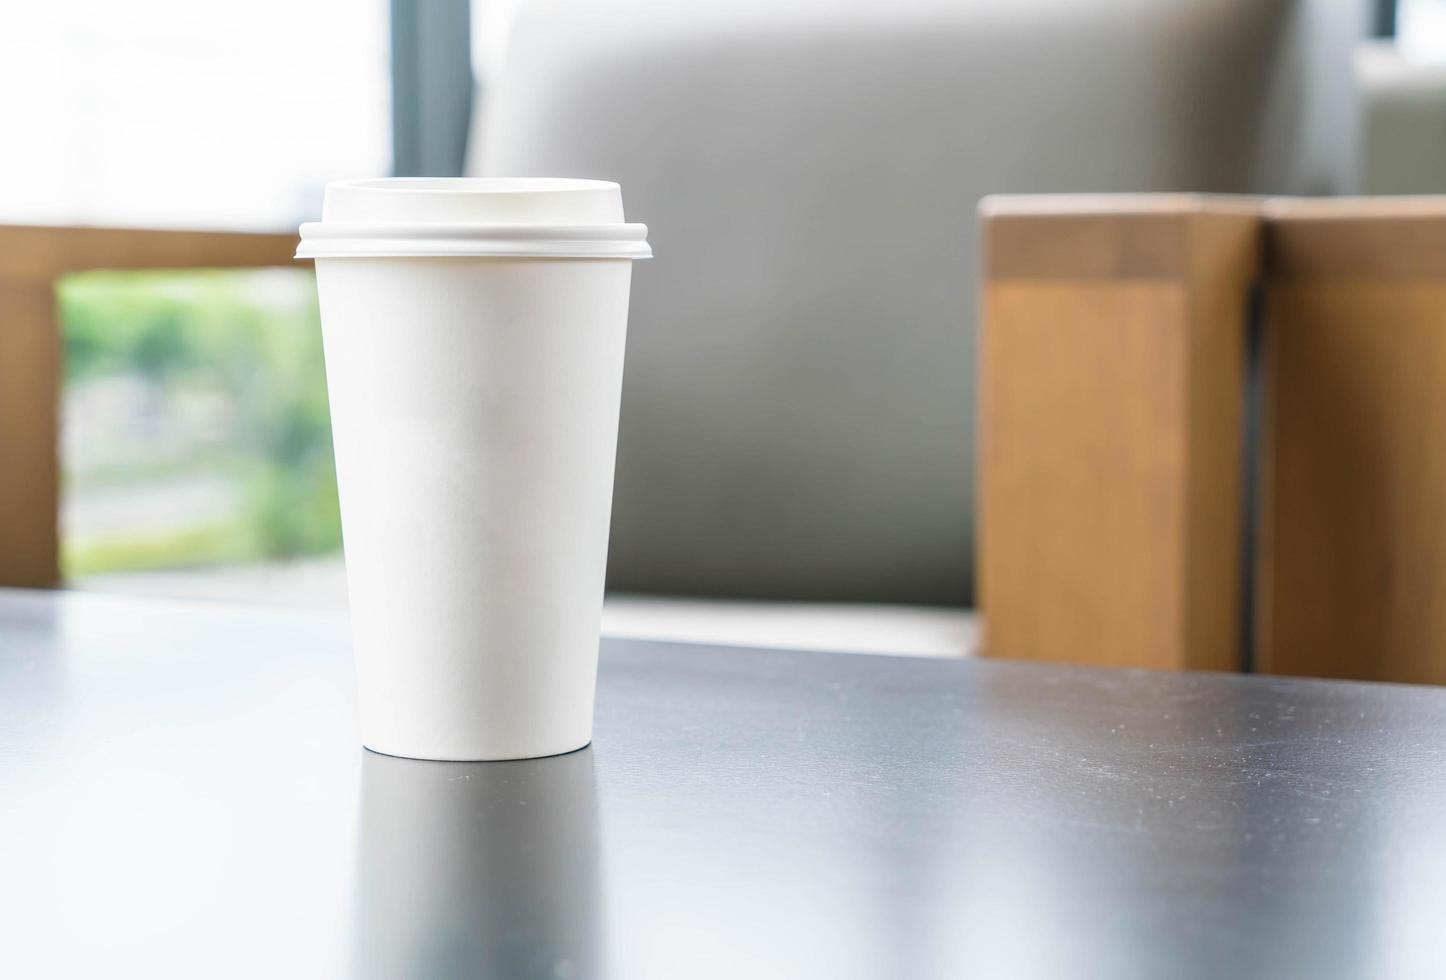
(181, 794)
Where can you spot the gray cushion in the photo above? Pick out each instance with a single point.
(798, 410)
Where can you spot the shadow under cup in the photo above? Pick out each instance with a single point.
(478, 869)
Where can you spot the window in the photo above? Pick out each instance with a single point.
(195, 428)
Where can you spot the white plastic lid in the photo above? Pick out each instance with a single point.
(547, 217)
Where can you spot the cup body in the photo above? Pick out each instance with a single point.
(474, 404)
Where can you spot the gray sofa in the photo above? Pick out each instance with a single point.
(797, 420)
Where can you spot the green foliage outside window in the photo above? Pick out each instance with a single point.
(200, 432)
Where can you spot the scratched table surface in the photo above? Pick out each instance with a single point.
(182, 794)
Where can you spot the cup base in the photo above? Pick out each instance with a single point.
(396, 753)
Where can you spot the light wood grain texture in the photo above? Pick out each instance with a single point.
(1390, 238)
(1352, 560)
(1113, 360)
(29, 434)
(31, 259)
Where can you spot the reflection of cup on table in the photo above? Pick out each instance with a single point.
(468, 870)
(474, 350)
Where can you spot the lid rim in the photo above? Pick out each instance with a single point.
(472, 230)
(340, 239)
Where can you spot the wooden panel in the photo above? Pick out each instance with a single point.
(1357, 238)
(45, 253)
(1112, 391)
(1105, 236)
(29, 429)
(31, 258)
(1082, 519)
(1352, 577)
(1226, 259)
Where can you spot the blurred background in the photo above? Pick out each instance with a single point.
(781, 153)
(196, 439)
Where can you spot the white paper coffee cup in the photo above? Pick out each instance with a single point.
(474, 331)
